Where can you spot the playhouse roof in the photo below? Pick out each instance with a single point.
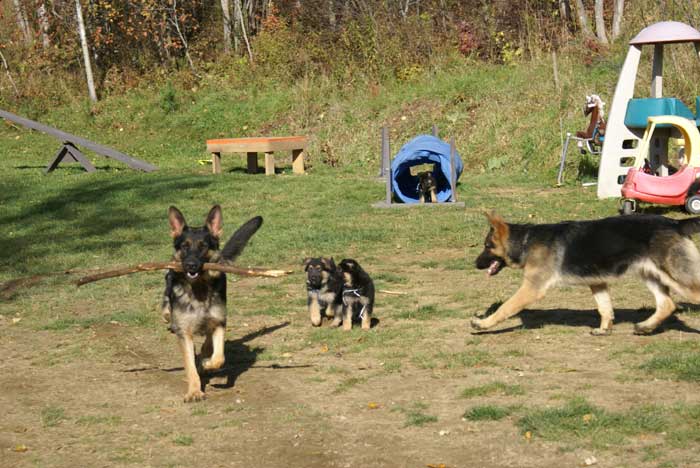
(666, 32)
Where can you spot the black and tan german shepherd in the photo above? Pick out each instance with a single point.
(324, 288)
(593, 253)
(358, 294)
(194, 301)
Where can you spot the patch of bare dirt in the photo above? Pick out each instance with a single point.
(292, 396)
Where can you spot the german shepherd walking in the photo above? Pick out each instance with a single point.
(194, 301)
(324, 289)
(593, 253)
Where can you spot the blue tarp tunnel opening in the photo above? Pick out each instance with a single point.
(424, 149)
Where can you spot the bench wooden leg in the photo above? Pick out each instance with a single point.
(270, 163)
(252, 163)
(298, 161)
(216, 163)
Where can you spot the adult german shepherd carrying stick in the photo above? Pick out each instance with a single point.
(593, 253)
(194, 301)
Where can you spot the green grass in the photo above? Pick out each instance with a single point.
(52, 416)
(415, 414)
(677, 360)
(93, 420)
(487, 413)
(427, 312)
(183, 440)
(580, 422)
(493, 388)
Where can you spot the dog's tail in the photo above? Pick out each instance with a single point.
(689, 226)
(235, 245)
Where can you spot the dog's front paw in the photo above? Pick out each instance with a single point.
(212, 364)
(336, 323)
(194, 395)
(165, 314)
(601, 331)
(476, 324)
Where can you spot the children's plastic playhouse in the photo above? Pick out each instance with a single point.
(629, 115)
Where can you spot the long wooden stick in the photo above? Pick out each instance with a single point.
(152, 266)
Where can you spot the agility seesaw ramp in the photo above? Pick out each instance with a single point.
(70, 152)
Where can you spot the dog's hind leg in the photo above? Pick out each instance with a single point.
(217, 358)
(526, 295)
(366, 316)
(347, 316)
(605, 309)
(194, 385)
(664, 307)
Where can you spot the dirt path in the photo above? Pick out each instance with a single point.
(110, 394)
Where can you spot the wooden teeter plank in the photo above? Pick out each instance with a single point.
(68, 137)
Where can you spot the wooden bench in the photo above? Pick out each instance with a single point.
(253, 146)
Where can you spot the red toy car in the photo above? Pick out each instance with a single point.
(682, 188)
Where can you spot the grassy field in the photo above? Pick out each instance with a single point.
(91, 376)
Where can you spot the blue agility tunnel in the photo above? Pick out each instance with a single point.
(424, 149)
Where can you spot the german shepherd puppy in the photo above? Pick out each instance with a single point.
(593, 253)
(358, 294)
(324, 287)
(427, 187)
(194, 301)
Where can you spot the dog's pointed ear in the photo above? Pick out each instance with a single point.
(328, 263)
(500, 228)
(177, 221)
(215, 221)
(306, 263)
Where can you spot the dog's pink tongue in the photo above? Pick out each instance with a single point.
(493, 268)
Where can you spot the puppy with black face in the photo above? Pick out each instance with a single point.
(324, 286)
(427, 187)
(194, 301)
(358, 294)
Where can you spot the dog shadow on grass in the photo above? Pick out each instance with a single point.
(240, 357)
(589, 318)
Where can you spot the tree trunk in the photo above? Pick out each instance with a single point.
(583, 19)
(331, 14)
(43, 16)
(618, 7)
(600, 22)
(86, 51)
(237, 25)
(245, 36)
(227, 25)
(22, 23)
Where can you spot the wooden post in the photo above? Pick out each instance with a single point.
(453, 170)
(387, 175)
(385, 151)
(298, 161)
(252, 162)
(435, 130)
(270, 163)
(216, 163)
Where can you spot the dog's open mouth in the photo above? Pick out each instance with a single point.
(494, 267)
(192, 275)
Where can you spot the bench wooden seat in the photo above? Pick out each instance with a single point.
(255, 145)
